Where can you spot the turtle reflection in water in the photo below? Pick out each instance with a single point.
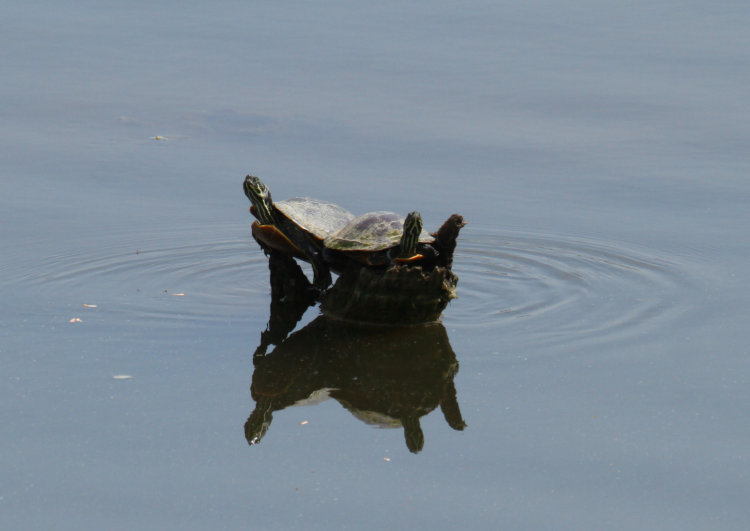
(389, 377)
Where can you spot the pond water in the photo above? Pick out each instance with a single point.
(598, 350)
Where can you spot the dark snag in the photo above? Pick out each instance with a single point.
(445, 239)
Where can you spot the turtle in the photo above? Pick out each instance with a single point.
(296, 226)
(381, 238)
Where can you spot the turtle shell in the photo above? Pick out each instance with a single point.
(317, 218)
(371, 233)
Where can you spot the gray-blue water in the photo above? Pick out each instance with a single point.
(598, 151)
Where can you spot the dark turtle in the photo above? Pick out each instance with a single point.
(379, 238)
(295, 226)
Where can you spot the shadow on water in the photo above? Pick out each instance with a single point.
(385, 376)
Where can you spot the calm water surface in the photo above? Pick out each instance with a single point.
(598, 350)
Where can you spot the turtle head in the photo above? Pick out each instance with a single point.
(260, 196)
(410, 236)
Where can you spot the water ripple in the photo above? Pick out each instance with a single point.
(552, 288)
(562, 288)
(159, 276)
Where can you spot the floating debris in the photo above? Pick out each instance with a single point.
(89, 305)
(122, 377)
(304, 422)
(173, 294)
(159, 137)
(75, 320)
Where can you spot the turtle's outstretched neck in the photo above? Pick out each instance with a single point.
(260, 197)
(410, 236)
